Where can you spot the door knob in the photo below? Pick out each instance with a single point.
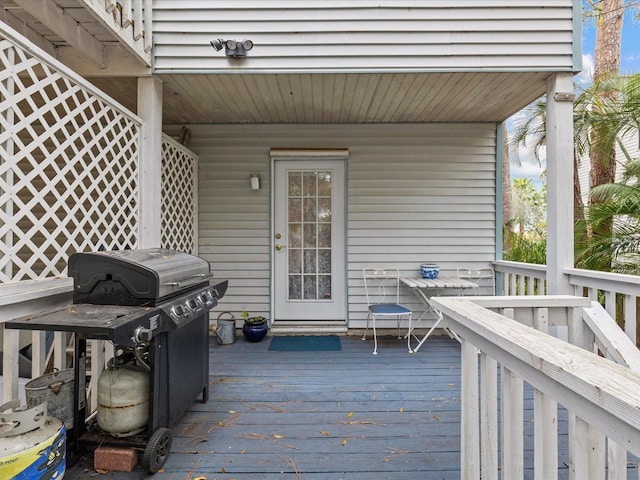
(279, 247)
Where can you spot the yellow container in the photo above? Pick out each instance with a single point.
(36, 453)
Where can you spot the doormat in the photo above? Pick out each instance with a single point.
(305, 343)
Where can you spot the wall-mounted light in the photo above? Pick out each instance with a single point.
(232, 48)
(255, 181)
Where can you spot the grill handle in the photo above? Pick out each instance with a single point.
(190, 280)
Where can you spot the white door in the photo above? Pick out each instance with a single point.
(309, 240)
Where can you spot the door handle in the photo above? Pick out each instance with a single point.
(280, 247)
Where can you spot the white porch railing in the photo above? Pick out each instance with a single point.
(617, 293)
(130, 20)
(602, 397)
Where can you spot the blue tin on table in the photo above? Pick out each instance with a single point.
(429, 270)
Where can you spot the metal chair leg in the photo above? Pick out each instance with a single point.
(366, 328)
(409, 335)
(375, 336)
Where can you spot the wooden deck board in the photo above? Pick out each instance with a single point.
(324, 415)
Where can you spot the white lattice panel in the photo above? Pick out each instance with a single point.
(179, 199)
(68, 168)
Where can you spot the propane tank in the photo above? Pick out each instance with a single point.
(31, 446)
(123, 399)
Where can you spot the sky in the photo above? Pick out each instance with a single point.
(629, 64)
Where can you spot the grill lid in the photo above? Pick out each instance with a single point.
(134, 277)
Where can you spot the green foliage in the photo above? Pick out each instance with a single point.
(252, 320)
(527, 249)
(526, 241)
(529, 206)
(617, 204)
(609, 237)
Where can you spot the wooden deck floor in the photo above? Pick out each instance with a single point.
(320, 415)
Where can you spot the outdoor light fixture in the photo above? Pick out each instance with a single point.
(232, 48)
(564, 96)
(255, 181)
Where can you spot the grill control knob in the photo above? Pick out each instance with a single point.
(141, 335)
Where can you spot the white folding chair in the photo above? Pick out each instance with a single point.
(382, 289)
(485, 277)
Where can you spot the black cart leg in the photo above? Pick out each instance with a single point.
(205, 394)
(79, 390)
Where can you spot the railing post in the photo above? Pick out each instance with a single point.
(38, 353)
(586, 443)
(470, 417)
(489, 417)
(583, 448)
(630, 326)
(10, 346)
(512, 388)
(531, 286)
(148, 25)
(545, 451)
(59, 350)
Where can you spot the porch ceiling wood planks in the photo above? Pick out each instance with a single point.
(320, 415)
(337, 98)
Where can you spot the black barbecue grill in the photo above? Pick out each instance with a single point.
(153, 305)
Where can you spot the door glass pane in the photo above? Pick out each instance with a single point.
(324, 209)
(324, 286)
(295, 210)
(310, 183)
(309, 234)
(295, 260)
(295, 287)
(295, 184)
(324, 235)
(309, 229)
(324, 261)
(295, 235)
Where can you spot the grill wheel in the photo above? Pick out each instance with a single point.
(157, 450)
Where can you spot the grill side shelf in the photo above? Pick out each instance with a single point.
(100, 322)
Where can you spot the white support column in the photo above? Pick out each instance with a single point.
(559, 182)
(150, 110)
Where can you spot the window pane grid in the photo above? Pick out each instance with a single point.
(309, 230)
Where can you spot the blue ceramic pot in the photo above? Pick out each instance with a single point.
(254, 332)
(429, 270)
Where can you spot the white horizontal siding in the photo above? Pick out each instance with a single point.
(416, 193)
(365, 35)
